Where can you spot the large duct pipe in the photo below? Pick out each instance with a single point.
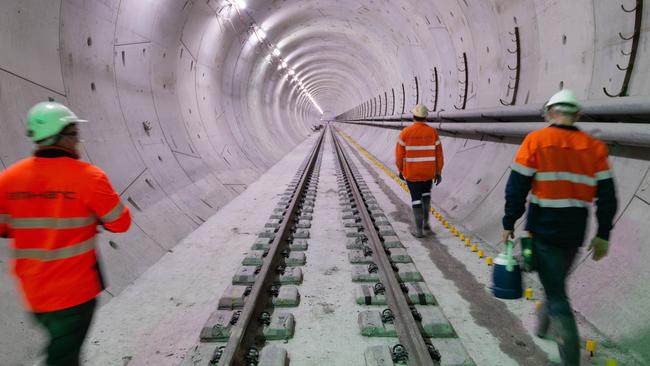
(629, 134)
(628, 109)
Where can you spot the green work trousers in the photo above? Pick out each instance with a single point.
(553, 266)
(67, 330)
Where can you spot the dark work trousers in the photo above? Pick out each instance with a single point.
(418, 191)
(553, 266)
(67, 330)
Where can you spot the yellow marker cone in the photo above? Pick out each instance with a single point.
(455, 232)
(538, 305)
(489, 261)
(591, 346)
(462, 236)
(480, 254)
(446, 224)
(528, 293)
(474, 248)
(467, 242)
(611, 362)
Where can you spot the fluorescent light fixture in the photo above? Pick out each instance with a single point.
(240, 4)
(261, 33)
(276, 51)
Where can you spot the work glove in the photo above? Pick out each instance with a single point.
(401, 176)
(437, 179)
(600, 248)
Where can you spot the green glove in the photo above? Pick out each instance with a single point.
(600, 248)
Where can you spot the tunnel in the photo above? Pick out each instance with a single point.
(202, 112)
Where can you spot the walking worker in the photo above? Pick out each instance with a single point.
(565, 169)
(50, 205)
(418, 155)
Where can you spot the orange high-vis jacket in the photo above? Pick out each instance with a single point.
(565, 166)
(418, 153)
(51, 206)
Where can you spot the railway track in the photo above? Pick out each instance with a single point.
(254, 319)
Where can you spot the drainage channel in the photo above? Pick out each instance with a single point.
(254, 309)
(399, 303)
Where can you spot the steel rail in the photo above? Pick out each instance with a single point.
(243, 334)
(408, 329)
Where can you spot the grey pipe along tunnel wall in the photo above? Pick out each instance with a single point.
(189, 101)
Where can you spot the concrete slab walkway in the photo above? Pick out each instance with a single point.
(158, 317)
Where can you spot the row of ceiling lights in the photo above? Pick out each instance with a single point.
(274, 52)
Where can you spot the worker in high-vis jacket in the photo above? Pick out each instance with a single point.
(50, 206)
(419, 160)
(564, 169)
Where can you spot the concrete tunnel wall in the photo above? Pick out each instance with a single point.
(213, 123)
(221, 111)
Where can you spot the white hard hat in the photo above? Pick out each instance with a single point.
(565, 101)
(420, 111)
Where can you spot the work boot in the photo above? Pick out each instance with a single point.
(565, 331)
(426, 207)
(418, 216)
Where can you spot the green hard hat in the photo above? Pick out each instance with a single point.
(565, 100)
(48, 119)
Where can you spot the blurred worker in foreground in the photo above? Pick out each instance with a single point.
(418, 155)
(566, 169)
(50, 205)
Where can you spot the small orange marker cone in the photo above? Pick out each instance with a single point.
(489, 261)
(538, 305)
(467, 242)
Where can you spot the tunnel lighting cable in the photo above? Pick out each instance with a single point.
(261, 36)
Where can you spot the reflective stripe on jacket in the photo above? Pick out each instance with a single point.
(50, 207)
(564, 169)
(418, 153)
